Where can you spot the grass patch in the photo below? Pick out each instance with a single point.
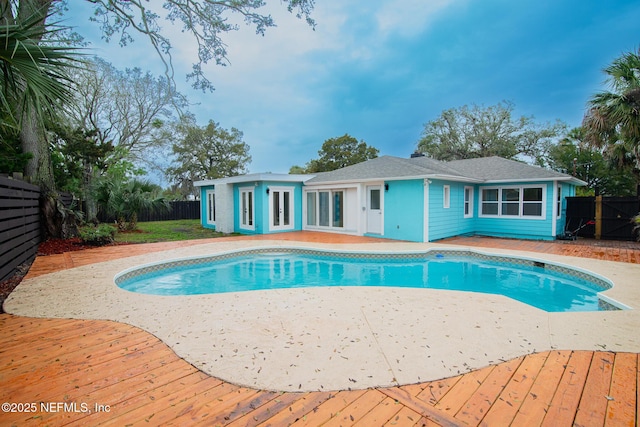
(167, 231)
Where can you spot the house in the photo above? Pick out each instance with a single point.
(417, 199)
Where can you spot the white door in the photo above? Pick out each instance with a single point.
(247, 213)
(281, 208)
(374, 209)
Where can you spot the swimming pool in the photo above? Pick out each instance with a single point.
(549, 287)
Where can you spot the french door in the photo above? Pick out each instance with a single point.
(247, 209)
(281, 208)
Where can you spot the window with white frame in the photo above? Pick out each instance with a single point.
(211, 207)
(517, 202)
(446, 196)
(325, 208)
(559, 202)
(468, 202)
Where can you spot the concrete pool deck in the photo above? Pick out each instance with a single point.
(338, 338)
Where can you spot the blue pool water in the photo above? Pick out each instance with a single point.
(531, 284)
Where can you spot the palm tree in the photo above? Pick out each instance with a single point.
(32, 71)
(613, 120)
(125, 198)
(33, 84)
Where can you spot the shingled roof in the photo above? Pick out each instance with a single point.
(487, 170)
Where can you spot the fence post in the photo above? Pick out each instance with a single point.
(598, 218)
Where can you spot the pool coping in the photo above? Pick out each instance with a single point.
(338, 338)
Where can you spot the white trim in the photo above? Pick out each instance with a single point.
(292, 222)
(446, 196)
(211, 216)
(252, 217)
(380, 188)
(425, 214)
(555, 211)
(543, 215)
(465, 201)
(255, 177)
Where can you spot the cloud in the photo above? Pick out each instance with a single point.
(409, 18)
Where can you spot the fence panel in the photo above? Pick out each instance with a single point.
(178, 210)
(616, 217)
(581, 210)
(614, 220)
(19, 224)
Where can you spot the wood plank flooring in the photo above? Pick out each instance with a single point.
(88, 372)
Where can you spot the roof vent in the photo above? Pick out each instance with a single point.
(417, 154)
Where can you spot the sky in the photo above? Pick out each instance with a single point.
(378, 70)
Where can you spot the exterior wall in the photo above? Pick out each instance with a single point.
(352, 218)
(404, 210)
(448, 222)
(224, 208)
(528, 228)
(567, 190)
(297, 205)
(261, 206)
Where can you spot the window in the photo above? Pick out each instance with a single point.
(446, 196)
(211, 207)
(312, 218)
(532, 202)
(468, 202)
(489, 201)
(325, 208)
(338, 208)
(525, 201)
(559, 202)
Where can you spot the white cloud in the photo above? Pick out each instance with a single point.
(409, 17)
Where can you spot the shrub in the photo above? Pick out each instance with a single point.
(102, 234)
(636, 229)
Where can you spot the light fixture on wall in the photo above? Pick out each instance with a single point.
(386, 187)
(267, 190)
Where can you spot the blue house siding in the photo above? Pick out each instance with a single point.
(297, 205)
(567, 190)
(261, 206)
(448, 222)
(404, 210)
(203, 206)
(529, 227)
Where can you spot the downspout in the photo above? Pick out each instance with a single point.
(425, 221)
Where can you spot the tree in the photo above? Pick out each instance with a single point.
(470, 132)
(612, 121)
(573, 155)
(33, 80)
(337, 153)
(205, 20)
(208, 152)
(125, 198)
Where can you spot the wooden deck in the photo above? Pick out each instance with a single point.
(86, 372)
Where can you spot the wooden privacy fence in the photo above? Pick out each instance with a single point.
(19, 224)
(177, 210)
(612, 216)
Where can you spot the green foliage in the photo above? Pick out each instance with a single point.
(575, 157)
(33, 69)
(206, 21)
(12, 159)
(613, 119)
(168, 231)
(102, 234)
(337, 153)
(636, 229)
(207, 152)
(124, 199)
(470, 132)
